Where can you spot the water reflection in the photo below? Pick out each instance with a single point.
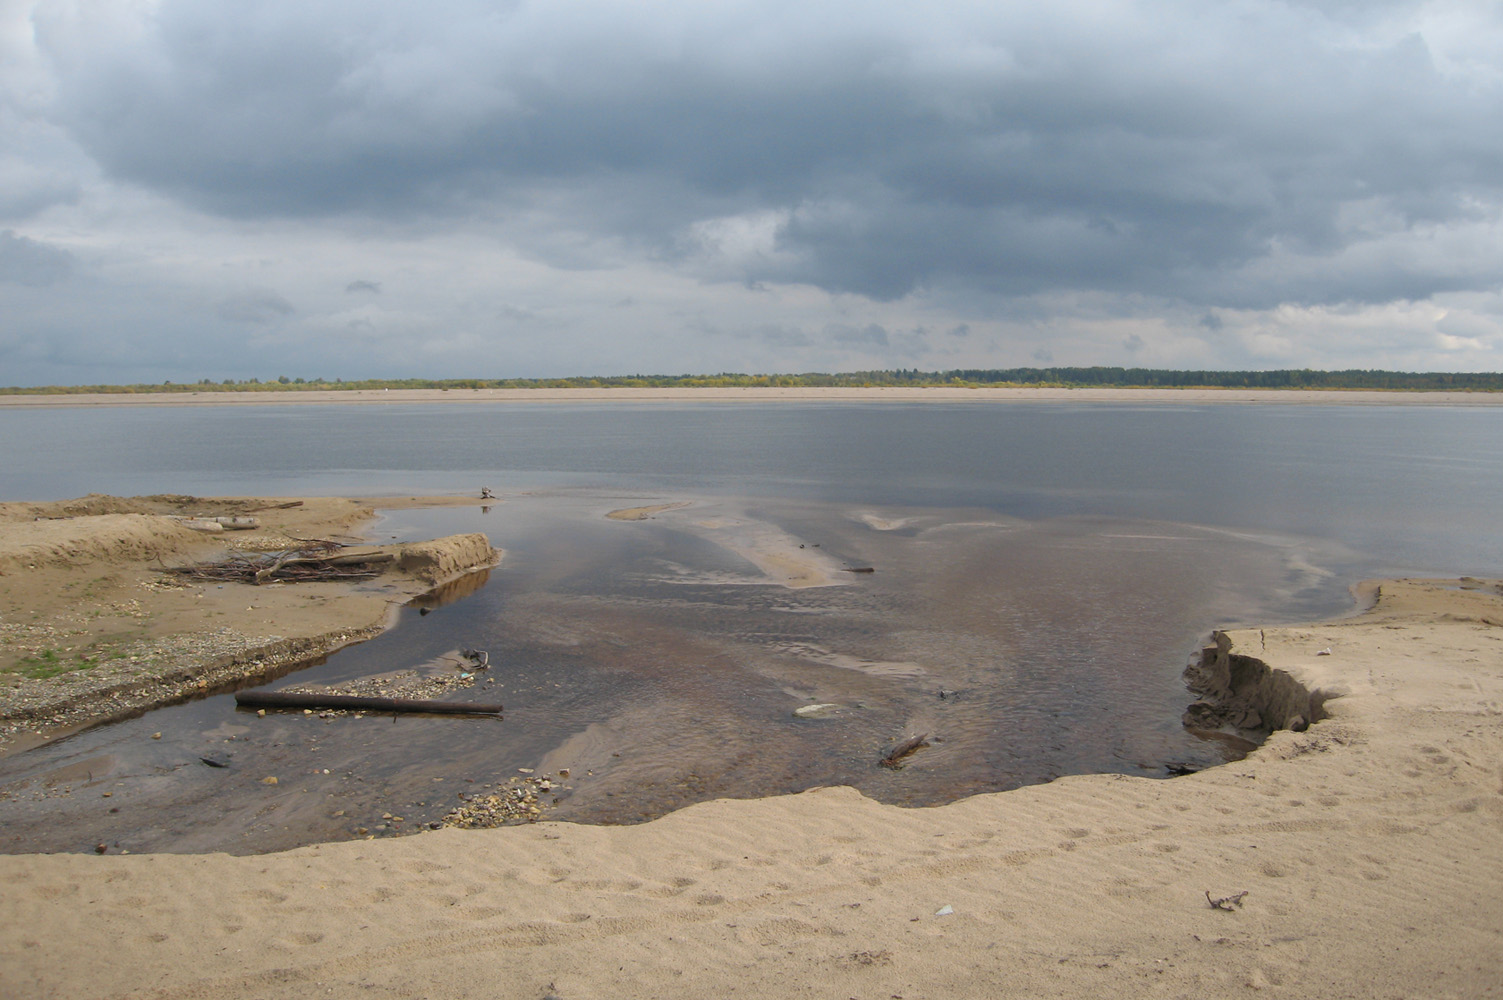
(452, 591)
(661, 661)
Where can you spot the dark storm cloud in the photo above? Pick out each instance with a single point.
(1171, 149)
(26, 261)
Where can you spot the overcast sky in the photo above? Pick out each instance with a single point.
(234, 188)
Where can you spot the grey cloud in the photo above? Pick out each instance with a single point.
(354, 287)
(1215, 156)
(780, 336)
(256, 306)
(26, 261)
(515, 314)
(872, 334)
(25, 191)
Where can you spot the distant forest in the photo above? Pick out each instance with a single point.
(963, 377)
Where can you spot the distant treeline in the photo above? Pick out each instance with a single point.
(966, 377)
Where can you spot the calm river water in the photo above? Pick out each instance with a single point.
(1043, 573)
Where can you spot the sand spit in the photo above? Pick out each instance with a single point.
(778, 557)
(1369, 849)
(91, 629)
(643, 513)
(896, 394)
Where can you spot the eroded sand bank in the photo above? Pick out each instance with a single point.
(91, 628)
(1368, 847)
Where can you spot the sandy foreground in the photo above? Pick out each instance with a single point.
(1369, 849)
(893, 394)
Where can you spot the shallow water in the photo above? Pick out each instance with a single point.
(661, 664)
(1050, 569)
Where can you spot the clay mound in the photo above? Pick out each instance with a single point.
(98, 538)
(445, 558)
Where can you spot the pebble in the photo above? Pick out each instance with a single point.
(407, 684)
(268, 781)
(515, 802)
(132, 679)
(821, 711)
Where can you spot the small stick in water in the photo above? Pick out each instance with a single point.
(895, 757)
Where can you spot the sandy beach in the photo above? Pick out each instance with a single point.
(1361, 857)
(1198, 397)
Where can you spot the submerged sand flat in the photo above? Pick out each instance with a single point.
(1370, 849)
(893, 394)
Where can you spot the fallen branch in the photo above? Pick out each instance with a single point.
(894, 757)
(1226, 902)
(287, 699)
(300, 559)
(319, 560)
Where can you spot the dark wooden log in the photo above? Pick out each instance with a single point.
(894, 758)
(359, 703)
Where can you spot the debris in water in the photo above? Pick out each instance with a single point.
(894, 758)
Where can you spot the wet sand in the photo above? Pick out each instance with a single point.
(1364, 857)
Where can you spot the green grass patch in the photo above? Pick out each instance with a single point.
(51, 663)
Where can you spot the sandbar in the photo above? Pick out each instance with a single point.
(767, 394)
(91, 628)
(643, 513)
(1360, 857)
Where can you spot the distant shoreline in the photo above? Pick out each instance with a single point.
(769, 394)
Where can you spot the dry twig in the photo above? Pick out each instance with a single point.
(319, 561)
(1226, 902)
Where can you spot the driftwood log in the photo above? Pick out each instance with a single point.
(894, 758)
(359, 703)
(304, 559)
(316, 559)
